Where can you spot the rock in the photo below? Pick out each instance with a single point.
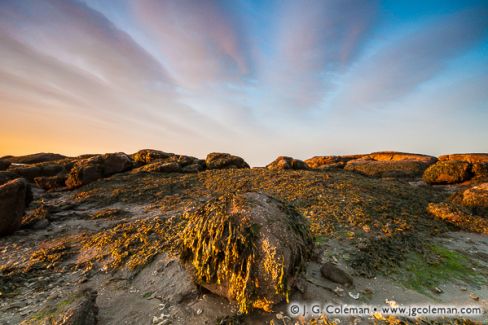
(115, 163)
(459, 217)
(193, 168)
(392, 168)
(47, 169)
(33, 158)
(147, 156)
(335, 274)
(476, 197)
(51, 182)
(322, 162)
(447, 172)
(89, 170)
(399, 156)
(216, 160)
(13, 197)
(184, 161)
(480, 171)
(467, 157)
(78, 308)
(161, 167)
(4, 164)
(246, 247)
(283, 162)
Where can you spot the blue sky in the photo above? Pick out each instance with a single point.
(254, 78)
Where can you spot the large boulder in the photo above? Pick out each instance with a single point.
(391, 168)
(89, 170)
(283, 162)
(217, 160)
(4, 164)
(325, 162)
(34, 158)
(146, 156)
(447, 172)
(467, 157)
(246, 247)
(13, 201)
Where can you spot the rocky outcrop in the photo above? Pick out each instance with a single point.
(13, 201)
(447, 172)
(91, 169)
(217, 160)
(467, 157)
(78, 308)
(400, 156)
(34, 158)
(326, 162)
(391, 164)
(397, 168)
(283, 162)
(246, 247)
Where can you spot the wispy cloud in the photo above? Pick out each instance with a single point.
(405, 62)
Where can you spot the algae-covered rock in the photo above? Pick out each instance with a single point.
(393, 168)
(78, 308)
(89, 170)
(246, 247)
(480, 171)
(283, 162)
(217, 160)
(447, 172)
(476, 197)
(458, 216)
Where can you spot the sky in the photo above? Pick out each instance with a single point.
(253, 78)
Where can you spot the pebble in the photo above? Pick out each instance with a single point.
(437, 290)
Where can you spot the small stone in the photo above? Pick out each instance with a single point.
(279, 316)
(437, 290)
(199, 311)
(474, 297)
(354, 296)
